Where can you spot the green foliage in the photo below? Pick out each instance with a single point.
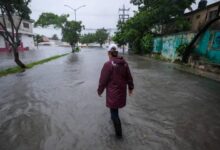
(38, 38)
(101, 36)
(164, 7)
(29, 66)
(147, 43)
(18, 7)
(71, 32)
(152, 17)
(88, 38)
(70, 29)
(118, 38)
(160, 57)
(47, 19)
(181, 49)
(77, 49)
(182, 24)
(14, 11)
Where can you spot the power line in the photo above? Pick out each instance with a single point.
(123, 17)
(123, 14)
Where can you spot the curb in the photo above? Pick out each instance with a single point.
(201, 73)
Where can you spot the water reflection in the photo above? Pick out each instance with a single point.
(6, 59)
(55, 106)
(23, 125)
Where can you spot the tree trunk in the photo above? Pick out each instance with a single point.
(73, 46)
(16, 58)
(195, 39)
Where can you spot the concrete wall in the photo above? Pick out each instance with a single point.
(167, 45)
(22, 28)
(28, 29)
(158, 45)
(28, 41)
(208, 46)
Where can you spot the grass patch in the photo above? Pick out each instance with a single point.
(29, 66)
(159, 58)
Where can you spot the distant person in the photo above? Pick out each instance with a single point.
(115, 78)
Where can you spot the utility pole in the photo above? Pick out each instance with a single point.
(123, 17)
(75, 10)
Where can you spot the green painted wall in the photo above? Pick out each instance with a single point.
(167, 45)
(208, 46)
(158, 45)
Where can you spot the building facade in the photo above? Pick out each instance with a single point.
(25, 34)
(201, 16)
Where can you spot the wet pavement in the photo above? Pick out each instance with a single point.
(7, 59)
(55, 107)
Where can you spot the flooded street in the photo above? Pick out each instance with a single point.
(55, 106)
(7, 59)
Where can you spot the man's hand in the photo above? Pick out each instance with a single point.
(130, 92)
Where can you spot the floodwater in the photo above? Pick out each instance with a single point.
(7, 59)
(55, 107)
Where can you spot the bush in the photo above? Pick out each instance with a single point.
(77, 49)
(180, 50)
(147, 43)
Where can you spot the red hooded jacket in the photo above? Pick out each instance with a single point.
(115, 77)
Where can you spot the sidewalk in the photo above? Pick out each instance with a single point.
(188, 69)
(198, 72)
(7, 60)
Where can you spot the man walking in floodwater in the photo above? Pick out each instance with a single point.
(115, 77)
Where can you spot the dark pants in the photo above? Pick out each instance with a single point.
(114, 114)
(116, 121)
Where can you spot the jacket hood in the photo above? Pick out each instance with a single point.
(118, 60)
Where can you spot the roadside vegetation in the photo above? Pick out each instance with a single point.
(158, 18)
(71, 30)
(153, 18)
(100, 36)
(8, 10)
(28, 66)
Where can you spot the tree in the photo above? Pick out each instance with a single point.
(47, 19)
(38, 38)
(71, 32)
(154, 17)
(88, 38)
(55, 37)
(119, 35)
(101, 36)
(70, 29)
(13, 12)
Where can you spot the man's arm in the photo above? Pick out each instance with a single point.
(104, 78)
(130, 81)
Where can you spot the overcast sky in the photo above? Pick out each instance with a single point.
(96, 14)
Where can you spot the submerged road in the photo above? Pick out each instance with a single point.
(55, 107)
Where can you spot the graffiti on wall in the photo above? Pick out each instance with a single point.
(216, 41)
